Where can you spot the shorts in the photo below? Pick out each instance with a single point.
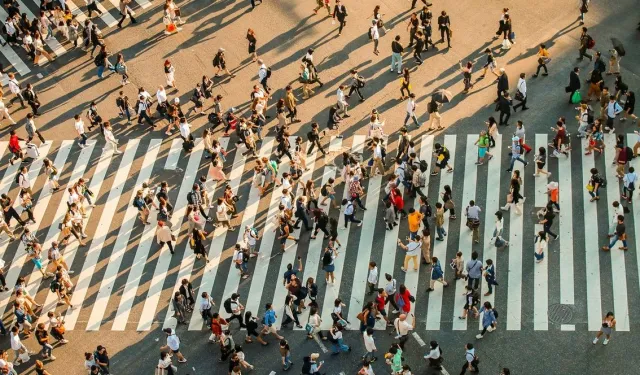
(481, 152)
(329, 268)
(540, 165)
(38, 263)
(283, 241)
(443, 163)
(175, 351)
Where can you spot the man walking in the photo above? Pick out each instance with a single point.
(586, 42)
(503, 84)
(474, 271)
(516, 153)
(340, 12)
(473, 220)
(264, 73)
(124, 10)
(471, 363)
(411, 110)
(396, 54)
(620, 234)
(574, 83)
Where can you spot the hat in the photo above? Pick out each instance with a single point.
(220, 49)
(176, 100)
(552, 185)
(515, 138)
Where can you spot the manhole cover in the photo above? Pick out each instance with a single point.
(560, 314)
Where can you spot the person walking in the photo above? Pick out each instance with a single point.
(14, 87)
(251, 37)
(547, 221)
(474, 271)
(285, 354)
(473, 220)
(402, 327)
(444, 25)
(124, 11)
(436, 274)
(584, 8)
(340, 12)
(434, 357)
(358, 82)
(516, 153)
(543, 59)
(396, 55)
(608, 324)
(489, 322)
(503, 85)
(411, 110)
(490, 275)
(220, 63)
(586, 42)
(574, 83)
(619, 234)
(521, 93)
(374, 35)
(471, 359)
(173, 344)
(369, 345)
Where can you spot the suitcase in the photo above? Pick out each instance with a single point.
(32, 151)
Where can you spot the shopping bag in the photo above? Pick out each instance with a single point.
(576, 97)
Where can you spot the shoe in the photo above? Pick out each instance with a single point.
(595, 341)
(184, 360)
(479, 336)
(605, 342)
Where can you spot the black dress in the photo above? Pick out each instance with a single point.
(252, 43)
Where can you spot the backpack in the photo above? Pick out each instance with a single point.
(590, 42)
(428, 212)
(227, 306)
(326, 259)
(274, 165)
(629, 152)
(98, 60)
(305, 74)
(360, 81)
(423, 166)
(311, 136)
(138, 203)
(432, 107)
(495, 313)
(323, 190)
(216, 60)
(54, 286)
(399, 301)
(268, 72)
(306, 366)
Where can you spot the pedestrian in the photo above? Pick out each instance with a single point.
(543, 59)
(490, 64)
(220, 63)
(251, 37)
(322, 4)
(608, 324)
(474, 271)
(14, 87)
(442, 159)
(516, 153)
(471, 363)
(370, 346)
(629, 182)
(411, 110)
(420, 44)
(435, 119)
(434, 357)
(340, 12)
(444, 25)
(394, 359)
(372, 277)
(20, 351)
(124, 11)
(358, 82)
(290, 103)
(466, 74)
(574, 84)
(483, 143)
(43, 339)
(173, 344)
(612, 110)
(489, 322)
(374, 35)
(32, 99)
(102, 359)
(412, 249)
(619, 234)
(521, 93)
(586, 42)
(425, 245)
(269, 320)
(402, 327)
(584, 8)
(396, 55)
(436, 274)
(336, 338)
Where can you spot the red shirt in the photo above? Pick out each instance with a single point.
(398, 202)
(405, 297)
(14, 145)
(381, 302)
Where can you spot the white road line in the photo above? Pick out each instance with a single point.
(289, 256)
(541, 270)
(80, 16)
(218, 240)
(492, 205)
(20, 255)
(164, 258)
(466, 235)
(618, 270)
(332, 291)
(53, 43)
(106, 16)
(591, 248)
(174, 155)
(3, 147)
(514, 289)
(635, 163)
(359, 286)
(119, 248)
(102, 230)
(70, 250)
(116, 4)
(268, 249)
(434, 309)
(426, 150)
(419, 339)
(13, 58)
(540, 287)
(566, 231)
(9, 173)
(314, 251)
(144, 4)
(135, 272)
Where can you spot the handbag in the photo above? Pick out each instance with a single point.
(177, 12)
(576, 97)
(519, 96)
(506, 44)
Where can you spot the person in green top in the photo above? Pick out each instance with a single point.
(394, 359)
(483, 147)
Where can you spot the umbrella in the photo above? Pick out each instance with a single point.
(617, 44)
(442, 96)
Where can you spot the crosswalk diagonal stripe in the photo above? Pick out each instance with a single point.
(70, 250)
(164, 258)
(540, 270)
(122, 240)
(101, 232)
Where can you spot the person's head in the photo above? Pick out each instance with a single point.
(543, 46)
(372, 265)
(468, 346)
(314, 356)
(489, 262)
(498, 215)
(397, 38)
(472, 203)
(522, 75)
(487, 305)
(474, 255)
(576, 70)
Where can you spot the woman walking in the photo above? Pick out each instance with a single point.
(466, 73)
(492, 131)
(543, 60)
(405, 84)
(121, 68)
(197, 244)
(514, 194)
(497, 239)
(447, 199)
(541, 244)
(328, 258)
(52, 172)
(608, 324)
(489, 322)
(541, 161)
(251, 37)
(169, 72)
(483, 147)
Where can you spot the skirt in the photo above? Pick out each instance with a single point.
(538, 256)
(329, 268)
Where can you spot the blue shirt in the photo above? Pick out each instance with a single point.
(488, 318)
(269, 317)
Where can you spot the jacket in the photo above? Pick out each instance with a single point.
(574, 81)
(504, 105)
(503, 83)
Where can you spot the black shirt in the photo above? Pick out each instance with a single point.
(620, 229)
(396, 47)
(549, 216)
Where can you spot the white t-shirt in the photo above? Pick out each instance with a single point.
(413, 248)
(173, 342)
(16, 344)
(79, 126)
(373, 276)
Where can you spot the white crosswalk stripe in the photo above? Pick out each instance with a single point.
(524, 297)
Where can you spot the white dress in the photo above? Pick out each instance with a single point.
(171, 75)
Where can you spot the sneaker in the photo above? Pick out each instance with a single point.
(605, 342)
(183, 360)
(595, 341)
(54, 358)
(403, 269)
(479, 336)
(360, 224)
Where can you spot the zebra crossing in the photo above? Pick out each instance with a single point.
(122, 282)
(15, 59)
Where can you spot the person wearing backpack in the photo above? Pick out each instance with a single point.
(358, 81)
(624, 155)
(630, 180)
(586, 42)
(489, 322)
(329, 256)
(233, 306)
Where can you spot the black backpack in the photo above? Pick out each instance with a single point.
(629, 152)
(323, 190)
(227, 306)
(361, 81)
(326, 258)
(216, 60)
(17, 179)
(423, 166)
(306, 366)
(495, 313)
(268, 72)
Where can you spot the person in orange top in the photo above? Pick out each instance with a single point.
(554, 194)
(414, 219)
(543, 59)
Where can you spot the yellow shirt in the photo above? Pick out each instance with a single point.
(543, 53)
(414, 221)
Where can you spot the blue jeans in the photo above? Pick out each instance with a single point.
(350, 218)
(614, 239)
(83, 139)
(413, 235)
(340, 347)
(287, 362)
(100, 71)
(368, 356)
(513, 161)
(595, 193)
(441, 232)
(396, 58)
(87, 197)
(413, 117)
(46, 349)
